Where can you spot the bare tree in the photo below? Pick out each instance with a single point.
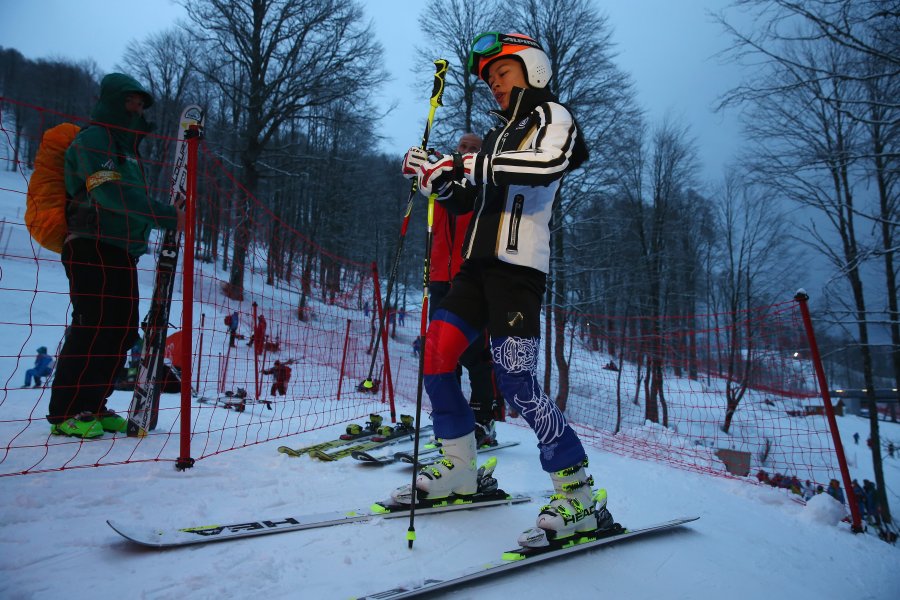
(656, 192)
(882, 149)
(162, 62)
(450, 26)
(64, 89)
(868, 31)
(578, 41)
(277, 60)
(754, 261)
(808, 127)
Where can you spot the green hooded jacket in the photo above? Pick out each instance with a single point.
(105, 177)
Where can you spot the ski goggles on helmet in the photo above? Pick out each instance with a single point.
(491, 44)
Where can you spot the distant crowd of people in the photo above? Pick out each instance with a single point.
(865, 494)
(805, 489)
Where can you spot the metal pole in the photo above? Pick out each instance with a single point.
(187, 309)
(856, 525)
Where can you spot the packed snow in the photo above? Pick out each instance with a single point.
(750, 541)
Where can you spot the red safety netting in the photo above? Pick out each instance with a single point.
(648, 387)
(662, 389)
(315, 305)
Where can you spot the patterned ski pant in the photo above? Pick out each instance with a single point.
(507, 300)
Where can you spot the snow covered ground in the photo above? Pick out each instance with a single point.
(750, 541)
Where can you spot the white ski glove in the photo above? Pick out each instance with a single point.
(437, 177)
(413, 161)
(468, 166)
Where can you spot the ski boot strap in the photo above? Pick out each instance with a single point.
(568, 472)
(574, 485)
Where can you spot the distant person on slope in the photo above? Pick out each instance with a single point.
(43, 364)
(282, 375)
(232, 321)
(109, 218)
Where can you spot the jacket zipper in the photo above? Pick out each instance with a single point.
(500, 137)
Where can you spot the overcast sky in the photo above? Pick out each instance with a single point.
(668, 46)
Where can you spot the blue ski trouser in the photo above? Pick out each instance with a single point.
(36, 374)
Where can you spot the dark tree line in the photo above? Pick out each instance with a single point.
(64, 89)
(822, 123)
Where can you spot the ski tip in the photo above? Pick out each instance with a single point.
(289, 451)
(379, 508)
(138, 432)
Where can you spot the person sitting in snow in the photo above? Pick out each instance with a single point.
(43, 365)
(808, 490)
(834, 490)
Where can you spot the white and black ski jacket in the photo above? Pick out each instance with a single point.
(511, 185)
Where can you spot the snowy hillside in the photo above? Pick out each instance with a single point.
(750, 541)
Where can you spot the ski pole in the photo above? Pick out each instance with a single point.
(423, 327)
(436, 94)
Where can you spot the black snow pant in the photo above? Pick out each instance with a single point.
(103, 289)
(485, 399)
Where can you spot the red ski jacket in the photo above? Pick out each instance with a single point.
(446, 247)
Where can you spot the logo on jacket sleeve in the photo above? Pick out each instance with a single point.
(99, 178)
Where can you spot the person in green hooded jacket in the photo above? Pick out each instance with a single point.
(109, 217)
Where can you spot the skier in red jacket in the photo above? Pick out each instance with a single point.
(446, 258)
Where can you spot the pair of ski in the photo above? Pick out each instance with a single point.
(511, 560)
(364, 441)
(407, 456)
(518, 558)
(144, 410)
(233, 402)
(399, 435)
(359, 432)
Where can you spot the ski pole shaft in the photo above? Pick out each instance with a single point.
(423, 329)
(437, 94)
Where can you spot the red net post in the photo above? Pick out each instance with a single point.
(343, 359)
(256, 349)
(187, 307)
(856, 524)
(200, 351)
(387, 376)
(386, 371)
